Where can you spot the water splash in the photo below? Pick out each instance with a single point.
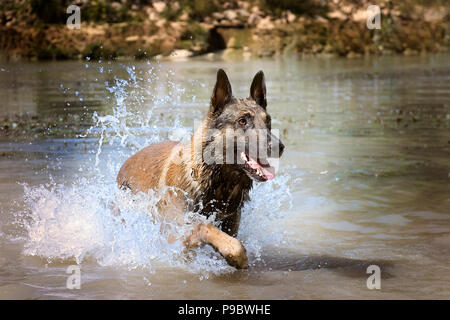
(77, 221)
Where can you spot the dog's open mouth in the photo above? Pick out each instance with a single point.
(256, 170)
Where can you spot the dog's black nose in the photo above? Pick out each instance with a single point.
(276, 147)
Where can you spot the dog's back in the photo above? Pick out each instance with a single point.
(143, 170)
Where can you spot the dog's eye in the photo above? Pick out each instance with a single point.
(242, 121)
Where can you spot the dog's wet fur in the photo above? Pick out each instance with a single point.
(208, 188)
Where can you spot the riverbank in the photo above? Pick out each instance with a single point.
(36, 30)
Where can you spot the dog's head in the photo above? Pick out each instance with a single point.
(243, 128)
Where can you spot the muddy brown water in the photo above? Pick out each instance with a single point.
(364, 180)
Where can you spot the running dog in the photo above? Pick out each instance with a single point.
(214, 172)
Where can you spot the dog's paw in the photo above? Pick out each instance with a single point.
(235, 254)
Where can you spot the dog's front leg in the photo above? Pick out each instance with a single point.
(230, 248)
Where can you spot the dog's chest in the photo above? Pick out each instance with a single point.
(225, 195)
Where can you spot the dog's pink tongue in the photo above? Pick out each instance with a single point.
(268, 172)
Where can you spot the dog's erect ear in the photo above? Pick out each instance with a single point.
(258, 89)
(222, 92)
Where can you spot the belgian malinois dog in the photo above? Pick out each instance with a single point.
(208, 184)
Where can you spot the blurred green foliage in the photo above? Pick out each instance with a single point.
(195, 36)
(54, 11)
(96, 51)
(104, 11)
(276, 7)
(50, 11)
(199, 9)
(52, 52)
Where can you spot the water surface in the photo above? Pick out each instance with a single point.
(364, 180)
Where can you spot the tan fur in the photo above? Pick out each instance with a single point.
(143, 170)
